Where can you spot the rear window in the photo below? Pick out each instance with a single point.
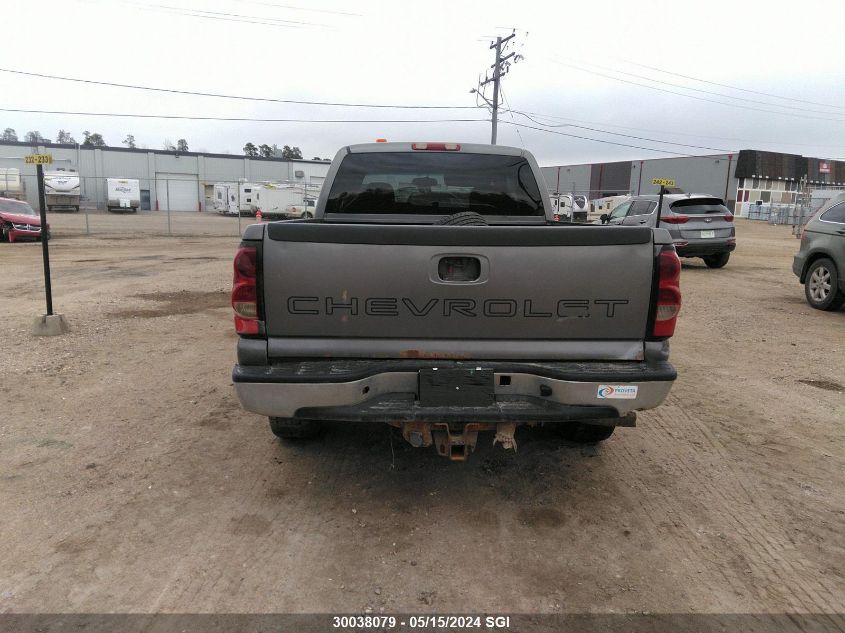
(699, 205)
(434, 183)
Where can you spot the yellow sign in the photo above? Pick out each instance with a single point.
(663, 182)
(39, 159)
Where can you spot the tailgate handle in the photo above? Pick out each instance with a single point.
(459, 269)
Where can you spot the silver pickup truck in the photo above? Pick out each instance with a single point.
(434, 292)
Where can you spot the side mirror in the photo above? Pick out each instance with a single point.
(604, 218)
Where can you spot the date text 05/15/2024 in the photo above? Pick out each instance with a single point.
(420, 622)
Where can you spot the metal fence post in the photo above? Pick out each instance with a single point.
(167, 187)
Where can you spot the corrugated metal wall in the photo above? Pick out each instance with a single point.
(94, 165)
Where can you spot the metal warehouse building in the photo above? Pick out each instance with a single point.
(743, 179)
(177, 181)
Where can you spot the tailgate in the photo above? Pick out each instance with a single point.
(470, 291)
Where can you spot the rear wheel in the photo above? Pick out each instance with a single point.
(307, 216)
(717, 261)
(821, 286)
(585, 433)
(293, 429)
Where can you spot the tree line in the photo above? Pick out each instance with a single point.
(95, 139)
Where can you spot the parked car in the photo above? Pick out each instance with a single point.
(820, 262)
(427, 311)
(19, 221)
(700, 225)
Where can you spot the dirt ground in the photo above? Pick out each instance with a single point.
(133, 482)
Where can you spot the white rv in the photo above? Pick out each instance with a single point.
(61, 190)
(569, 207)
(232, 198)
(220, 197)
(286, 200)
(600, 206)
(123, 194)
(11, 185)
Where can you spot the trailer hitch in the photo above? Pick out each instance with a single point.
(458, 441)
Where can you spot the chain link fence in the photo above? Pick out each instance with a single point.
(809, 200)
(85, 213)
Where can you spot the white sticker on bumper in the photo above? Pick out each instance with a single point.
(620, 392)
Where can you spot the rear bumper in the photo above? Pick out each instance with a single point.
(703, 248)
(389, 390)
(798, 266)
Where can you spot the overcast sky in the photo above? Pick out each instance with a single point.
(430, 53)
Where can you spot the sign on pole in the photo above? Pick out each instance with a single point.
(662, 183)
(39, 159)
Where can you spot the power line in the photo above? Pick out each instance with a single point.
(639, 138)
(237, 97)
(716, 83)
(598, 140)
(288, 120)
(234, 17)
(294, 8)
(709, 92)
(215, 15)
(672, 133)
(681, 94)
(511, 113)
(253, 119)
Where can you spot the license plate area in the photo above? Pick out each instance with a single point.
(708, 234)
(441, 387)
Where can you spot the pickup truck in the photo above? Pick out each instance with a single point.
(434, 292)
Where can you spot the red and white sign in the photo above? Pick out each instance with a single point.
(824, 167)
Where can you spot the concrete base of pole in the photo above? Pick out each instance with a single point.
(50, 325)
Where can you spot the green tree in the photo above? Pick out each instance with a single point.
(93, 139)
(265, 150)
(250, 150)
(291, 152)
(9, 134)
(182, 145)
(129, 141)
(65, 138)
(34, 137)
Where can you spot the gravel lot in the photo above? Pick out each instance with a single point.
(133, 482)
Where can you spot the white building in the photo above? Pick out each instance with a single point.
(178, 181)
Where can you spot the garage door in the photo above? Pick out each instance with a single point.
(177, 192)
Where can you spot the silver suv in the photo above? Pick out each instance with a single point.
(700, 225)
(820, 262)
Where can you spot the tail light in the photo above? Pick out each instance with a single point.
(245, 291)
(674, 219)
(437, 147)
(729, 217)
(668, 293)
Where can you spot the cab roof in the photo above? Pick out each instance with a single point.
(463, 148)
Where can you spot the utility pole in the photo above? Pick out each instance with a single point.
(500, 68)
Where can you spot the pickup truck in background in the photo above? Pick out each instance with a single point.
(434, 292)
